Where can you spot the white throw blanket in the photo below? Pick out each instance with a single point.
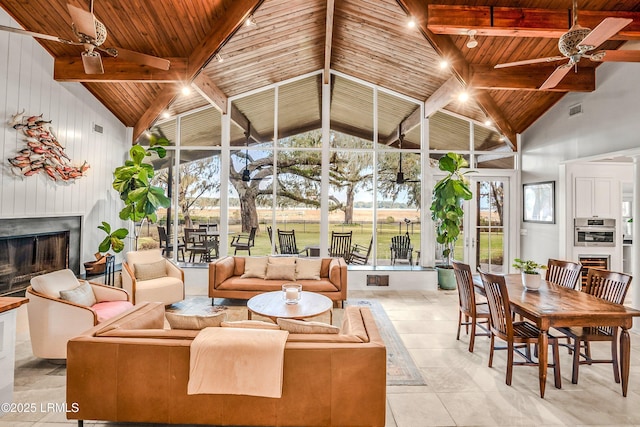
(237, 361)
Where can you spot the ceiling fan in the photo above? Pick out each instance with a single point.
(400, 175)
(91, 34)
(580, 42)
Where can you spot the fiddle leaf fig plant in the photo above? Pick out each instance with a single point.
(113, 240)
(133, 181)
(446, 206)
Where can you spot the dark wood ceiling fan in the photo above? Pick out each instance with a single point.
(580, 42)
(400, 179)
(91, 34)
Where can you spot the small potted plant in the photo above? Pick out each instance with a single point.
(530, 273)
(114, 241)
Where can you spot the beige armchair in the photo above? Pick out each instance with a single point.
(148, 276)
(53, 321)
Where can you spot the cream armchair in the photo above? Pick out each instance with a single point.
(53, 321)
(148, 276)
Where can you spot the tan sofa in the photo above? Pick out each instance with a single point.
(129, 369)
(225, 280)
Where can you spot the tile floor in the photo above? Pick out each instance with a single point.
(461, 390)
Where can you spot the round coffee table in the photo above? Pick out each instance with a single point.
(272, 305)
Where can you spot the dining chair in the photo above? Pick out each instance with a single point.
(360, 254)
(476, 314)
(244, 242)
(288, 244)
(340, 245)
(166, 245)
(563, 273)
(518, 335)
(612, 287)
(401, 249)
(197, 244)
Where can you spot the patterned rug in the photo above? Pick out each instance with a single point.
(401, 370)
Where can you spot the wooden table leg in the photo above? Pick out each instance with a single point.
(625, 357)
(543, 357)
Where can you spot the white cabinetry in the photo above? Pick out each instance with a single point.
(594, 197)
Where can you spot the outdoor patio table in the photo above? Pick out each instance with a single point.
(556, 306)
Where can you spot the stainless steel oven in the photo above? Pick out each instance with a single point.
(594, 232)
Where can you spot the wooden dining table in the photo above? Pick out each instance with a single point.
(554, 306)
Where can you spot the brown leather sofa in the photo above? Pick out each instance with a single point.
(129, 369)
(225, 280)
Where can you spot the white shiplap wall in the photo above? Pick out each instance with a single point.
(26, 82)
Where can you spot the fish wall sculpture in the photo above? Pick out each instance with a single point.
(42, 153)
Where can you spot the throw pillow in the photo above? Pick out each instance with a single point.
(255, 267)
(303, 327)
(82, 295)
(194, 321)
(152, 270)
(308, 269)
(281, 272)
(282, 260)
(250, 324)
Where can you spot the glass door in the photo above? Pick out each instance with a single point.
(485, 238)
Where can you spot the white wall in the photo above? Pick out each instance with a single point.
(609, 123)
(26, 82)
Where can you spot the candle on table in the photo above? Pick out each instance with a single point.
(291, 294)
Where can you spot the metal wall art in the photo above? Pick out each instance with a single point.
(43, 152)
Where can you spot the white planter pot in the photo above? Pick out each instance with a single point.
(531, 282)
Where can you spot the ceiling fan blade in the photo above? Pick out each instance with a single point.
(92, 63)
(36, 35)
(83, 20)
(144, 59)
(616, 56)
(530, 61)
(557, 76)
(606, 29)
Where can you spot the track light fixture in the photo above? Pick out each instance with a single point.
(472, 39)
(219, 58)
(250, 22)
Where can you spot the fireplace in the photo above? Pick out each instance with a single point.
(34, 246)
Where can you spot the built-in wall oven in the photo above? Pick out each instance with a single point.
(594, 232)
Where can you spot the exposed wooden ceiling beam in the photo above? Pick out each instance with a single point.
(243, 122)
(404, 127)
(209, 91)
(70, 69)
(328, 37)
(521, 22)
(224, 28)
(531, 78)
(351, 130)
(442, 96)
(445, 47)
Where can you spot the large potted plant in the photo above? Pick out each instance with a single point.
(133, 182)
(447, 213)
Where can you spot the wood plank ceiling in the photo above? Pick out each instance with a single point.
(366, 39)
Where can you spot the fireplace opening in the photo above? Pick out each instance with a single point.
(23, 257)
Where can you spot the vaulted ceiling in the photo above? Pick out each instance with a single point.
(366, 39)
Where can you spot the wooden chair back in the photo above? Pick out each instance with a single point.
(162, 237)
(466, 294)
(608, 285)
(189, 238)
(499, 308)
(287, 240)
(358, 254)
(340, 245)
(270, 233)
(563, 273)
(401, 248)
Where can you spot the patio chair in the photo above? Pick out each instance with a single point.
(612, 287)
(360, 254)
(401, 249)
(288, 244)
(167, 246)
(340, 245)
(198, 243)
(244, 242)
(518, 335)
(476, 314)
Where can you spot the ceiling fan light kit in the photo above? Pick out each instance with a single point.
(472, 39)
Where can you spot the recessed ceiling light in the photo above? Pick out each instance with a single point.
(488, 122)
(411, 23)
(186, 90)
(444, 64)
(166, 114)
(463, 96)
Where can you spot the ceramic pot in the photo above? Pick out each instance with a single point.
(446, 278)
(531, 282)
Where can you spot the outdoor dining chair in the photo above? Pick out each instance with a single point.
(518, 335)
(340, 245)
(198, 244)
(476, 314)
(612, 287)
(244, 242)
(167, 246)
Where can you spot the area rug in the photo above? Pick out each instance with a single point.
(401, 370)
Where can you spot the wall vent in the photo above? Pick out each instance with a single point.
(98, 128)
(575, 110)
